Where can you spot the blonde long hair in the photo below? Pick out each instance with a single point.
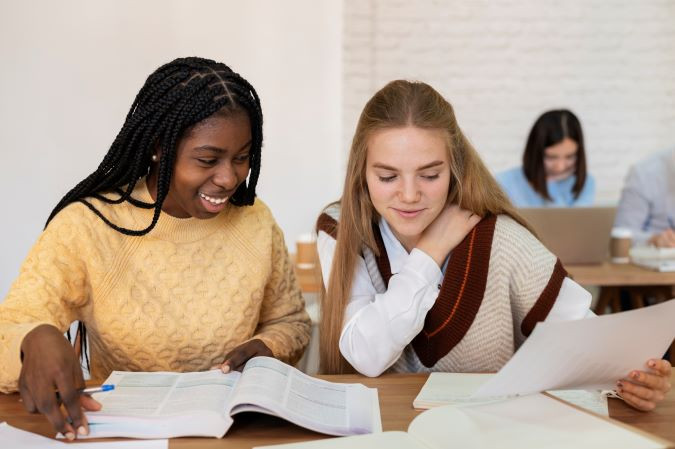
(398, 104)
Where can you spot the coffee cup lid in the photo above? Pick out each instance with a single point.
(621, 233)
(306, 238)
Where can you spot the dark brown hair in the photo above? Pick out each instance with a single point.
(549, 129)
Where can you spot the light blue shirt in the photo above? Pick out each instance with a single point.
(521, 193)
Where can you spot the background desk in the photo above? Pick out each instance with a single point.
(618, 275)
(396, 392)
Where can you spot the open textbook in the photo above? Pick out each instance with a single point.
(167, 405)
(533, 421)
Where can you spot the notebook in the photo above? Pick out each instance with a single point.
(577, 235)
(657, 259)
(458, 388)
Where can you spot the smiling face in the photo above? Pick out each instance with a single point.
(560, 160)
(408, 178)
(212, 160)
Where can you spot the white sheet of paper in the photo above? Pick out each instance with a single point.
(591, 353)
(534, 421)
(12, 437)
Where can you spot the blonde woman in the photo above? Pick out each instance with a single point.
(426, 264)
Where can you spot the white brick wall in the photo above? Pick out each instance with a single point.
(501, 63)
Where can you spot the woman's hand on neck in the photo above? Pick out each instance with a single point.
(447, 231)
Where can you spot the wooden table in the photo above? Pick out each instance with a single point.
(396, 392)
(603, 275)
(612, 278)
(618, 275)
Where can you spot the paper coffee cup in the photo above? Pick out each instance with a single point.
(619, 245)
(305, 255)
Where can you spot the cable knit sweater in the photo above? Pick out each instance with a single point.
(176, 299)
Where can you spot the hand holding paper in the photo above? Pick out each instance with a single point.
(592, 353)
(644, 389)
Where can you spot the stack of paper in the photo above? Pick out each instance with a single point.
(659, 259)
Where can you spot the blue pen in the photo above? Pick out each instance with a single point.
(102, 388)
(92, 390)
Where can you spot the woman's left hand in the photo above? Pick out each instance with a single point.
(644, 389)
(237, 358)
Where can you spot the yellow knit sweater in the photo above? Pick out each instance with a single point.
(176, 299)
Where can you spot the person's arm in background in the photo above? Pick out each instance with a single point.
(511, 182)
(635, 207)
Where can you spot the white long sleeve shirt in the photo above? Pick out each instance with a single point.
(378, 327)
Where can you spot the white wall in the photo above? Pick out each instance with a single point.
(501, 63)
(70, 70)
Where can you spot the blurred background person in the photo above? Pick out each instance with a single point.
(647, 204)
(553, 173)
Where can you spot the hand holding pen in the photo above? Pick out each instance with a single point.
(49, 365)
(92, 390)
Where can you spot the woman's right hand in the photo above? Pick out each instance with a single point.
(665, 239)
(447, 231)
(50, 365)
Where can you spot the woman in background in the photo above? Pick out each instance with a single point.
(553, 173)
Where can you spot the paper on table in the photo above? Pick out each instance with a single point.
(12, 437)
(591, 353)
(533, 421)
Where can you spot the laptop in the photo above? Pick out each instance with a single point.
(577, 235)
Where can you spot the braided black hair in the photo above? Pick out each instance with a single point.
(174, 98)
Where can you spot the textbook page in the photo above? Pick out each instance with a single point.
(270, 386)
(164, 405)
(591, 353)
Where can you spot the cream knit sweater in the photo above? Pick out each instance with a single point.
(176, 299)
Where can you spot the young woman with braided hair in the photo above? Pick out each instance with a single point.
(163, 252)
(426, 264)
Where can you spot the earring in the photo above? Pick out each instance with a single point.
(155, 158)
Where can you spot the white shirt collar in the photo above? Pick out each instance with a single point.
(395, 250)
